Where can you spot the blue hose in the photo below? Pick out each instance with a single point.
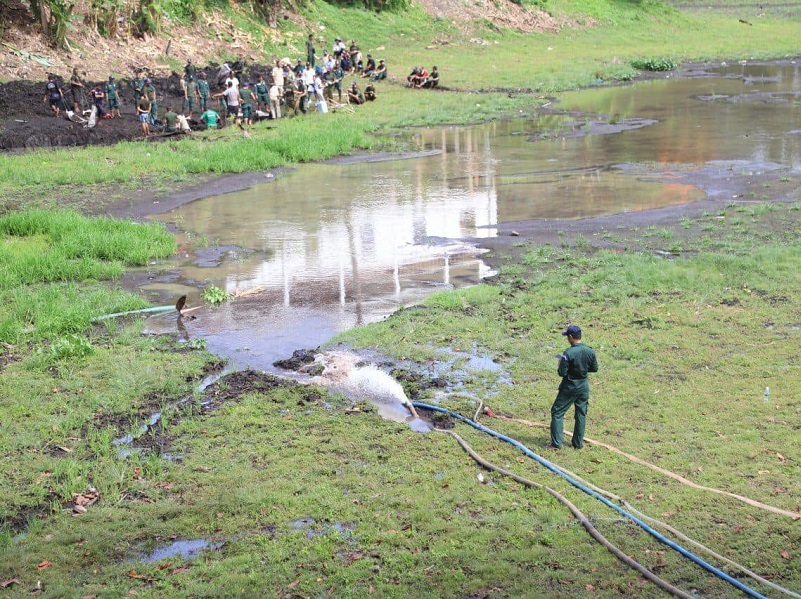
(555, 469)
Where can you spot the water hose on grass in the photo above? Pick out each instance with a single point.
(129, 312)
(553, 468)
(682, 536)
(593, 532)
(673, 475)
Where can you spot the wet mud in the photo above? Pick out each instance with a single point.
(29, 123)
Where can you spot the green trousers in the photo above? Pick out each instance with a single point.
(579, 398)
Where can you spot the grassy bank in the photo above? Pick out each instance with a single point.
(298, 493)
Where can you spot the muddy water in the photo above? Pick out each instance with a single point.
(327, 247)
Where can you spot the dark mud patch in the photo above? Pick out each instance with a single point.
(233, 386)
(19, 522)
(301, 358)
(414, 383)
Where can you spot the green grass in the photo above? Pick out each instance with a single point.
(51, 265)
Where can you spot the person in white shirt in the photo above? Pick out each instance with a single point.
(278, 77)
(275, 102)
(233, 81)
(308, 79)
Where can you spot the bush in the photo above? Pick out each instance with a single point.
(654, 64)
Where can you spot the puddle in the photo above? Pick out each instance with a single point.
(183, 549)
(313, 530)
(328, 247)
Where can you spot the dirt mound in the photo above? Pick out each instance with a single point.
(502, 13)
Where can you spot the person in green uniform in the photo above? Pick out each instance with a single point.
(203, 92)
(262, 94)
(138, 87)
(246, 97)
(150, 92)
(76, 89)
(189, 96)
(189, 69)
(170, 118)
(112, 97)
(574, 364)
(328, 89)
(310, 51)
(339, 75)
(210, 117)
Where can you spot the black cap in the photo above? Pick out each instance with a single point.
(573, 331)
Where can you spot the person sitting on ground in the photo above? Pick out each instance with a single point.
(422, 78)
(369, 68)
(369, 92)
(170, 119)
(211, 118)
(54, 95)
(380, 71)
(411, 78)
(433, 78)
(112, 97)
(355, 95)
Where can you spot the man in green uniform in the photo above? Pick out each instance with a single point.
(574, 364)
(138, 87)
(189, 89)
(210, 117)
(203, 92)
(262, 94)
(189, 69)
(150, 93)
(112, 97)
(310, 51)
(246, 97)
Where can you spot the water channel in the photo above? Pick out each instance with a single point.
(326, 247)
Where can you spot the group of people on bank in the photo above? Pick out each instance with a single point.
(281, 90)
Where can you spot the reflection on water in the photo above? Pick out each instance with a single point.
(330, 246)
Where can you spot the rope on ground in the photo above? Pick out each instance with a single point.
(682, 536)
(593, 532)
(553, 468)
(668, 473)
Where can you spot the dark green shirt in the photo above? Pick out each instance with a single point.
(574, 364)
(203, 88)
(246, 95)
(170, 118)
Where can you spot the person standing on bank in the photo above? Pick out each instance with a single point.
(574, 364)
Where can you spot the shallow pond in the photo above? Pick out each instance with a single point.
(326, 247)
